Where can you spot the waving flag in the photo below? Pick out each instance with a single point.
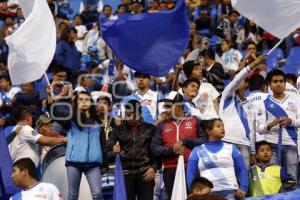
(120, 188)
(7, 186)
(32, 46)
(151, 43)
(277, 17)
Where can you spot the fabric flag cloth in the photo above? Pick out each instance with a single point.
(277, 17)
(179, 188)
(119, 188)
(7, 186)
(151, 43)
(32, 46)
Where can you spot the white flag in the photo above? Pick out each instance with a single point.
(32, 46)
(179, 187)
(279, 17)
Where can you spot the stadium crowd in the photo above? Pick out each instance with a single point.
(232, 112)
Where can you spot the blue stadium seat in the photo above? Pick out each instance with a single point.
(273, 58)
(292, 68)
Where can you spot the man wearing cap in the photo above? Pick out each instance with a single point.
(44, 126)
(165, 144)
(145, 96)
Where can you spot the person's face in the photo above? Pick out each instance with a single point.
(193, 30)
(251, 49)
(202, 190)
(27, 88)
(103, 106)
(60, 76)
(72, 35)
(264, 153)
(77, 21)
(107, 11)
(191, 90)
(233, 17)
(84, 102)
(131, 117)
(224, 46)
(217, 132)
(122, 10)
(142, 82)
(197, 72)
(19, 13)
(177, 110)
(277, 84)
(18, 176)
(62, 26)
(136, 8)
(9, 21)
(86, 81)
(4, 84)
(46, 129)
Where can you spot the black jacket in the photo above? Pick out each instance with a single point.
(215, 76)
(135, 146)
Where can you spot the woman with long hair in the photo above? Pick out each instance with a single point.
(84, 150)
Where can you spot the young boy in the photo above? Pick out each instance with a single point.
(201, 188)
(266, 177)
(24, 176)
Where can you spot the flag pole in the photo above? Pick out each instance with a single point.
(48, 83)
(278, 43)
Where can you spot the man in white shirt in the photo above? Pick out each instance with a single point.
(24, 176)
(279, 119)
(234, 115)
(24, 142)
(257, 88)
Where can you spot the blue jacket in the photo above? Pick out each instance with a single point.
(67, 55)
(84, 145)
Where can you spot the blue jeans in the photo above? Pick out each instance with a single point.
(227, 194)
(289, 158)
(93, 176)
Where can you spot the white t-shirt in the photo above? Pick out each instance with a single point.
(10, 94)
(23, 145)
(231, 59)
(46, 191)
(204, 101)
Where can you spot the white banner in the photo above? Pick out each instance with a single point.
(279, 17)
(32, 46)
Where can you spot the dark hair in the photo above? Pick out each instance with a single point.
(201, 181)
(228, 42)
(82, 116)
(251, 42)
(188, 67)
(275, 72)
(292, 77)
(134, 105)
(65, 33)
(122, 5)
(106, 6)
(189, 81)
(105, 98)
(256, 82)
(207, 125)
(58, 68)
(259, 144)
(20, 113)
(209, 53)
(234, 12)
(26, 164)
(6, 77)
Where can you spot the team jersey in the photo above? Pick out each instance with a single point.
(231, 59)
(24, 145)
(289, 106)
(203, 104)
(233, 113)
(253, 101)
(148, 102)
(39, 191)
(218, 162)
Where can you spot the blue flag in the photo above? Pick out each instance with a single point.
(7, 186)
(119, 188)
(151, 43)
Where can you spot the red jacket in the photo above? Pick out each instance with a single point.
(165, 137)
